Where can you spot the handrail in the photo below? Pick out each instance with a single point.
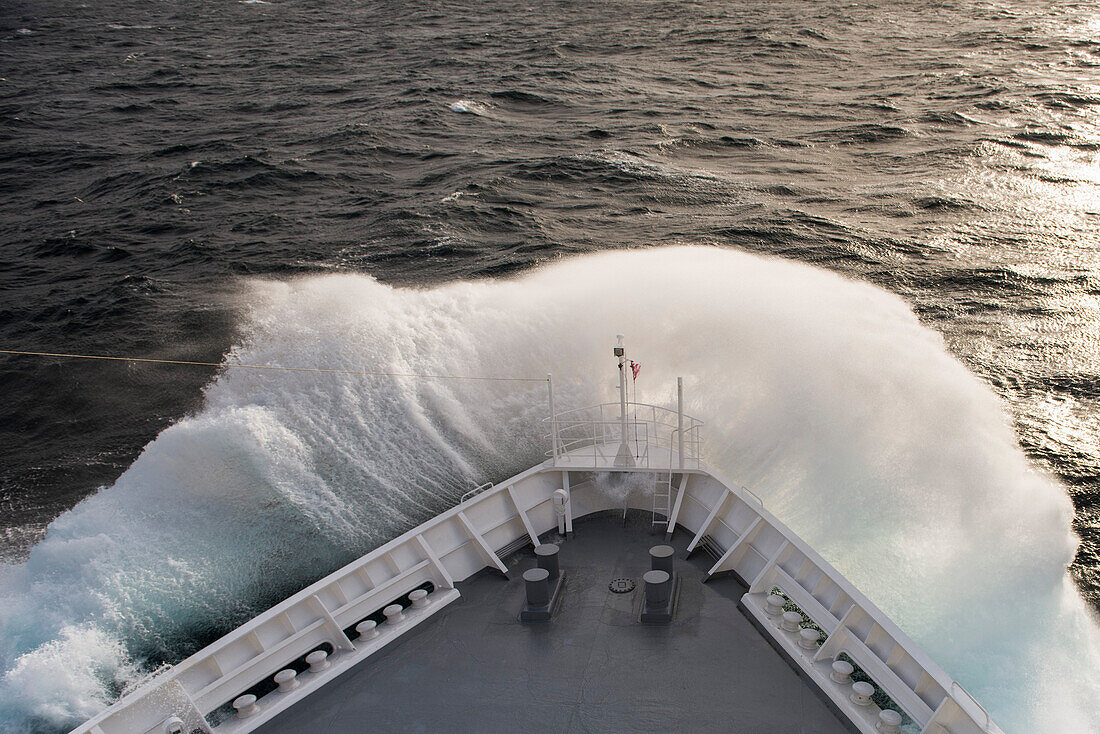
(955, 684)
(475, 491)
(616, 407)
(653, 425)
(755, 496)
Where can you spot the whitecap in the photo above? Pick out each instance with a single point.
(470, 107)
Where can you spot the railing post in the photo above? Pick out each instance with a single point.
(680, 416)
(555, 440)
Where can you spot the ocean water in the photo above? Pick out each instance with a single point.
(865, 233)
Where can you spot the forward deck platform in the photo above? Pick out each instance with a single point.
(474, 667)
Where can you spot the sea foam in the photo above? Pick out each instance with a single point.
(824, 395)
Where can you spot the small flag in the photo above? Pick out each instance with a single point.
(635, 368)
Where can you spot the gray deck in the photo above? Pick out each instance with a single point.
(593, 668)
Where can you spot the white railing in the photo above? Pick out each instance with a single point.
(766, 554)
(448, 548)
(475, 492)
(459, 542)
(649, 433)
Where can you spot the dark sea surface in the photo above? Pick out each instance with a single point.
(153, 154)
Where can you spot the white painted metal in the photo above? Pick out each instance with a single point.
(246, 706)
(395, 615)
(842, 672)
(446, 549)
(623, 456)
(889, 722)
(476, 491)
(448, 581)
(651, 432)
(561, 502)
(555, 444)
(861, 693)
(662, 497)
(738, 544)
(680, 419)
(568, 501)
(490, 555)
(523, 517)
(680, 493)
(709, 521)
(287, 680)
(318, 659)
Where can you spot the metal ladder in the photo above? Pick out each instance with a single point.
(662, 497)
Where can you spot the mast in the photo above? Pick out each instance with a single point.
(623, 457)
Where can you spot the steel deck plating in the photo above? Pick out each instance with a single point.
(475, 667)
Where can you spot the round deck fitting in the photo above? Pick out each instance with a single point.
(889, 722)
(842, 672)
(394, 613)
(621, 586)
(419, 598)
(318, 661)
(246, 706)
(861, 693)
(287, 679)
(367, 629)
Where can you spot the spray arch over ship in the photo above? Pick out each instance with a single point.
(826, 396)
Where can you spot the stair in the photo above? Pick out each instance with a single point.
(662, 497)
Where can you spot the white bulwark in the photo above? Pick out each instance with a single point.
(240, 682)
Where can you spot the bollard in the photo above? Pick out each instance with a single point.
(538, 588)
(318, 661)
(791, 621)
(419, 598)
(246, 706)
(660, 558)
(367, 629)
(807, 638)
(842, 672)
(287, 680)
(658, 588)
(889, 722)
(542, 594)
(861, 693)
(546, 556)
(774, 605)
(395, 614)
